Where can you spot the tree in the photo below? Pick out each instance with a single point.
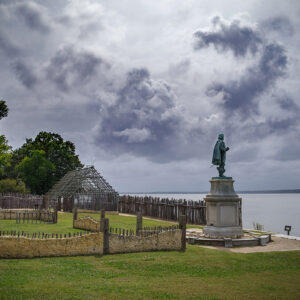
(5, 156)
(37, 172)
(59, 152)
(5, 149)
(3, 109)
(13, 186)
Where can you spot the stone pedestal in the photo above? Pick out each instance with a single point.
(223, 210)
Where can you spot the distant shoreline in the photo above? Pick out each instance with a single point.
(296, 191)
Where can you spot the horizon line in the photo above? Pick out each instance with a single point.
(294, 191)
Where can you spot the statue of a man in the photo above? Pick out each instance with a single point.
(219, 155)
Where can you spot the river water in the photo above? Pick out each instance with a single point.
(273, 211)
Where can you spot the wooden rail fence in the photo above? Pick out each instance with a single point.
(168, 209)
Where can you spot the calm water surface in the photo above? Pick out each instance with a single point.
(273, 211)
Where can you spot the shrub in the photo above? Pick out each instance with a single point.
(258, 226)
(13, 186)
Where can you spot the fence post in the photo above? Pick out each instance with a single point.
(58, 206)
(45, 202)
(139, 222)
(55, 215)
(182, 226)
(74, 216)
(105, 236)
(120, 204)
(102, 218)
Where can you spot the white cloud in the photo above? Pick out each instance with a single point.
(134, 135)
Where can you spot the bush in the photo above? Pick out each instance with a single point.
(258, 226)
(13, 186)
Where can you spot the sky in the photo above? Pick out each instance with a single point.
(143, 88)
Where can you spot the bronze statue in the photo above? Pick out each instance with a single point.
(219, 155)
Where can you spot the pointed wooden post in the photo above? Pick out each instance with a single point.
(55, 215)
(59, 204)
(102, 217)
(75, 215)
(45, 202)
(105, 236)
(139, 222)
(182, 226)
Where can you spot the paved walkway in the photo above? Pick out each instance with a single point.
(280, 242)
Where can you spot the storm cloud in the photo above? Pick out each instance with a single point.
(145, 104)
(270, 63)
(7, 46)
(24, 74)
(143, 120)
(69, 68)
(33, 16)
(225, 36)
(281, 24)
(241, 94)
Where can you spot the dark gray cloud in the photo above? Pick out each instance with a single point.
(287, 103)
(24, 74)
(244, 97)
(281, 24)
(224, 36)
(241, 94)
(289, 150)
(69, 68)
(143, 121)
(7, 46)
(275, 126)
(33, 17)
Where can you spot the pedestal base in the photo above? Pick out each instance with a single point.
(223, 210)
(223, 232)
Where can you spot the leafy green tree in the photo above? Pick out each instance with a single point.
(37, 172)
(3, 109)
(5, 156)
(59, 152)
(13, 186)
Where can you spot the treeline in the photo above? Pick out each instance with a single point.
(38, 164)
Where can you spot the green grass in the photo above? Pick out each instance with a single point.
(199, 273)
(65, 223)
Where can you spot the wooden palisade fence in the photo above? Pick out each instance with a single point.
(36, 216)
(145, 231)
(168, 209)
(10, 201)
(43, 235)
(29, 216)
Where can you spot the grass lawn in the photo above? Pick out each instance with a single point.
(198, 273)
(65, 223)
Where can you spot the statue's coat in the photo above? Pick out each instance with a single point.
(219, 154)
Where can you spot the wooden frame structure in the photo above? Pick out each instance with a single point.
(83, 188)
